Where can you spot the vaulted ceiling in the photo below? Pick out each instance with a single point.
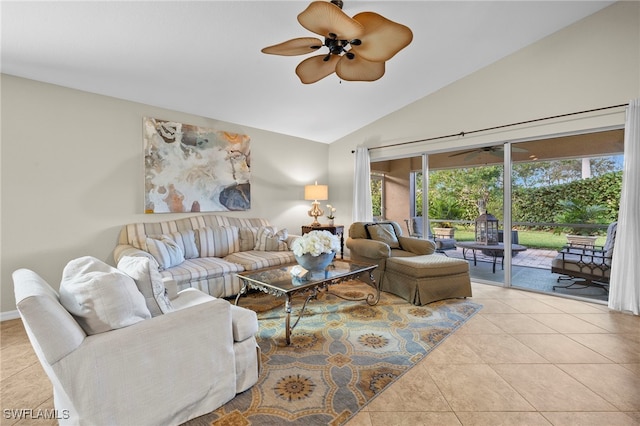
(203, 57)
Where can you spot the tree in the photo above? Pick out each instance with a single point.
(376, 196)
(542, 173)
(467, 186)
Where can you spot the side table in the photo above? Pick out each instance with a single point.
(334, 229)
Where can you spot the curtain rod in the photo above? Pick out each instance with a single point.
(496, 127)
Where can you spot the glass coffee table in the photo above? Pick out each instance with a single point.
(279, 281)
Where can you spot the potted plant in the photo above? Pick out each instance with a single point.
(444, 230)
(444, 208)
(331, 214)
(575, 212)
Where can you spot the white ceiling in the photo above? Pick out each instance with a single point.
(203, 57)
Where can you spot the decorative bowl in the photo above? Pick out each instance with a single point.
(315, 263)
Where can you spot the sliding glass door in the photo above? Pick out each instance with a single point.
(526, 186)
(562, 187)
(463, 185)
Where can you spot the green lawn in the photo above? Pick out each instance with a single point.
(533, 239)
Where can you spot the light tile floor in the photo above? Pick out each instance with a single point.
(525, 359)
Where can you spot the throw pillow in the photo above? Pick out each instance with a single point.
(149, 283)
(218, 242)
(186, 240)
(166, 252)
(268, 240)
(248, 235)
(384, 232)
(100, 297)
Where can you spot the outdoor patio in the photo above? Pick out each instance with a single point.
(531, 270)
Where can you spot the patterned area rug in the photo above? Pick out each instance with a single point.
(342, 354)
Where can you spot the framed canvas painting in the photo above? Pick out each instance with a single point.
(193, 169)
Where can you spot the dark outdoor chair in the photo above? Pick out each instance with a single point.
(586, 266)
(414, 228)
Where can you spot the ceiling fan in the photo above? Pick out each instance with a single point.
(358, 46)
(492, 150)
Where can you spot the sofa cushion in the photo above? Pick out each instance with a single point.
(269, 240)
(217, 242)
(384, 232)
(101, 297)
(186, 240)
(165, 251)
(431, 265)
(149, 283)
(252, 260)
(581, 262)
(201, 268)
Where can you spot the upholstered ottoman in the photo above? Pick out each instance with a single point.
(428, 278)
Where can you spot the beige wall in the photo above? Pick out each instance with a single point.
(72, 161)
(591, 64)
(72, 176)
(396, 182)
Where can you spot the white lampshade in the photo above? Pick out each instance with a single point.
(316, 192)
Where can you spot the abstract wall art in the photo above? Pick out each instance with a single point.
(193, 169)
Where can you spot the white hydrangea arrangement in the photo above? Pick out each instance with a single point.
(315, 243)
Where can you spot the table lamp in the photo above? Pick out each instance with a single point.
(316, 193)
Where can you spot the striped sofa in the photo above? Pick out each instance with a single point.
(207, 250)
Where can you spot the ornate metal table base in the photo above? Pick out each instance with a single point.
(279, 282)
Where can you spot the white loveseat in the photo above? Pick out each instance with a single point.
(214, 248)
(117, 355)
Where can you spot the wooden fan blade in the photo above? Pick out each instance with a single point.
(296, 46)
(315, 68)
(322, 18)
(359, 69)
(382, 38)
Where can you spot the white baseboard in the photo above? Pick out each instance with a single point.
(5, 316)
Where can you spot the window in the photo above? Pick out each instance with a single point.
(377, 195)
(415, 194)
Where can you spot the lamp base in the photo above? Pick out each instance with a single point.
(315, 212)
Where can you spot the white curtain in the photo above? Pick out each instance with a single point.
(624, 288)
(362, 207)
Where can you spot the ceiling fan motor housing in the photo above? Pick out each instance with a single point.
(339, 47)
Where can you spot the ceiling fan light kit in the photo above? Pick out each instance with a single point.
(358, 47)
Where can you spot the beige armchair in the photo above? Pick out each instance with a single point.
(408, 267)
(161, 370)
(383, 245)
